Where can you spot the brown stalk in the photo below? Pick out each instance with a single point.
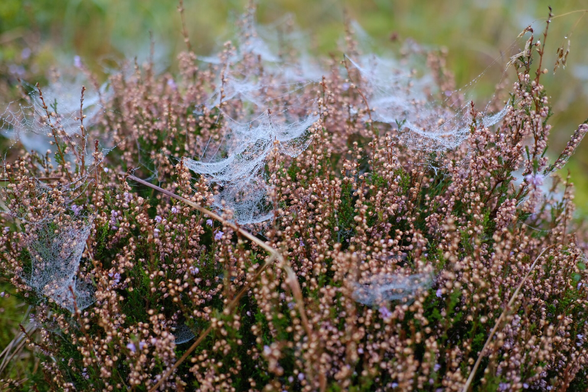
(83, 130)
(291, 279)
(181, 10)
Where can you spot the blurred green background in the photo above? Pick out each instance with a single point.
(479, 35)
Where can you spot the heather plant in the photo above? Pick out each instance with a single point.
(247, 225)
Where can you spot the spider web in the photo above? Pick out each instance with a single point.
(265, 107)
(56, 252)
(390, 287)
(27, 122)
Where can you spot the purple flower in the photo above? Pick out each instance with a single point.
(128, 197)
(534, 179)
(218, 235)
(25, 54)
(209, 222)
(156, 233)
(132, 347)
(113, 219)
(115, 276)
(174, 210)
(76, 209)
(141, 345)
(77, 61)
(384, 312)
(439, 293)
(171, 84)
(193, 270)
(267, 350)
(301, 376)
(436, 367)
(158, 219)
(16, 70)
(2, 294)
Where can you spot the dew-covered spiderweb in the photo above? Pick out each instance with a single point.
(28, 121)
(56, 249)
(266, 106)
(241, 174)
(403, 96)
(183, 334)
(391, 287)
(262, 90)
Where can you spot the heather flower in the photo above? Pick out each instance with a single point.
(384, 312)
(131, 346)
(115, 277)
(194, 270)
(219, 234)
(267, 350)
(76, 209)
(534, 179)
